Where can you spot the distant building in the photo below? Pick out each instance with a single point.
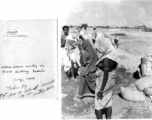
(143, 28)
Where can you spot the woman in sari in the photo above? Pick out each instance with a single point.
(105, 77)
(88, 59)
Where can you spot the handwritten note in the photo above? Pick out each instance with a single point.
(28, 59)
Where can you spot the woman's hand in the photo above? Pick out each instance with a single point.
(100, 95)
(98, 73)
(81, 38)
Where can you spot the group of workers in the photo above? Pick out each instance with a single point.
(95, 68)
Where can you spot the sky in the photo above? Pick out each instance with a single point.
(108, 13)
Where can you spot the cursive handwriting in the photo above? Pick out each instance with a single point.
(44, 84)
(13, 32)
(19, 92)
(35, 87)
(41, 65)
(6, 67)
(12, 94)
(3, 95)
(28, 90)
(39, 92)
(21, 80)
(12, 88)
(36, 71)
(17, 66)
(48, 88)
(24, 86)
(22, 95)
(30, 93)
(9, 71)
(22, 71)
(31, 66)
(31, 78)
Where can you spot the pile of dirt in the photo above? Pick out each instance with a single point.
(128, 61)
(118, 34)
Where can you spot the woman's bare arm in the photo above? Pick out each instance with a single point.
(107, 66)
(105, 79)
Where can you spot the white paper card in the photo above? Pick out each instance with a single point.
(28, 59)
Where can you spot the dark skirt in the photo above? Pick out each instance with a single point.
(87, 77)
(87, 84)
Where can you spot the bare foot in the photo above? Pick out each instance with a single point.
(67, 80)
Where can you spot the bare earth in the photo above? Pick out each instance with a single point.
(131, 48)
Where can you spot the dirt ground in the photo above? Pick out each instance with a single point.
(131, 48)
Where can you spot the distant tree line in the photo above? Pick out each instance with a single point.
(137, 27)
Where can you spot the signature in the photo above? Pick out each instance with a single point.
(48, 88)
(35, 87)
(24, 90)
(41, 91)
(44, 84)
(28, 90)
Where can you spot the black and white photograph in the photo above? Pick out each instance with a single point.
(106, 59)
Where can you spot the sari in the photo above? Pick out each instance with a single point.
(88, 59)
(105, 49)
